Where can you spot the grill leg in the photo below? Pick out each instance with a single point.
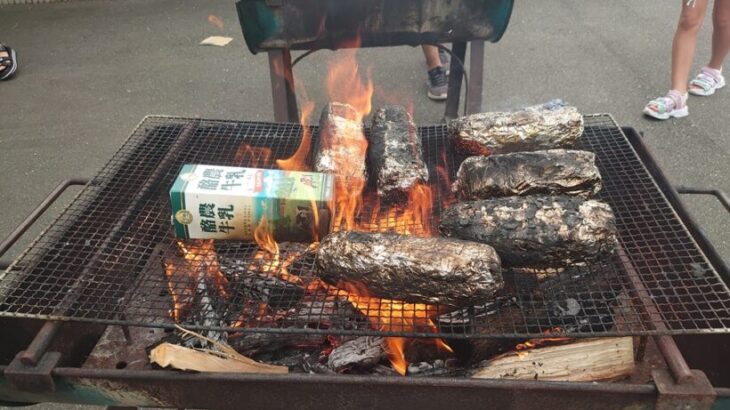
(282, 86)
(476, 77)
(455, 78)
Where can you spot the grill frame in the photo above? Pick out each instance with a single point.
(167, 155)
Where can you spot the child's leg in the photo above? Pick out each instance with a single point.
(685, 40)
(720, 33)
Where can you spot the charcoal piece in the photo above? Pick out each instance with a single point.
(436, 368)
(554, 124)
(551, 172)
(438, 271)
(261, 286)
(251, 344)
(363, 353)
(395, 153)
(333, 314)
(341, 147)
(536, 230)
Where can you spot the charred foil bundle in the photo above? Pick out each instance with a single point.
(536, 230)
(554, 124)
(341, 146)
(395, 153)
(438, 271)
(550, 172)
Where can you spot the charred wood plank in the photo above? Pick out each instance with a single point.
(261, 286)
(363, 352)
(395, 153)
(438, 271)
(546, 231)
(551, 172)
(554, 124)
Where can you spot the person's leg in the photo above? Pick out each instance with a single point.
(438, 84)
(685, 42)
(720, 33)
(431, 53)
(710, 78)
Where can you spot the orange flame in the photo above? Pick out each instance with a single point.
(522, 350)
(255, 157)
(344, 82)
(393, 316)
(298, 161)
(412, 219)
(268, 259)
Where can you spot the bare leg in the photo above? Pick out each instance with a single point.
(432, 56)
(685, 42)
(720, 33)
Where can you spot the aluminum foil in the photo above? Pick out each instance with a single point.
(550, 172)
(438, 271)
(554, 124)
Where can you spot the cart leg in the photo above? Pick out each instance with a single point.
(476, 77)
(282, 86)
(455, 78)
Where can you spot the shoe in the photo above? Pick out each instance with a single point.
(9, 63)
(673, 105)
(706, 83)
(438, 85)
(445, 60)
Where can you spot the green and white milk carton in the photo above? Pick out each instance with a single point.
(217, 202)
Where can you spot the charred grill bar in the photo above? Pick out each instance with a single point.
(128, 284)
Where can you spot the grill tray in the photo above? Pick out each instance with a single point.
(101, 260)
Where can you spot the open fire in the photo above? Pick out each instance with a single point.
(347, 84)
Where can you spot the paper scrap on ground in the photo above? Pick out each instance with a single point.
(216, 41)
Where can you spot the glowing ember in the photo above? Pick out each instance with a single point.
(394, 316)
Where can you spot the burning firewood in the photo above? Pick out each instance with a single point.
(550, 172)
(261, 286)
(438, 271)
(600, 359)
(536, 230)
(395, 154)
(554, 124)
(363, 353)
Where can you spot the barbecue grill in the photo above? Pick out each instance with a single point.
(97, 269)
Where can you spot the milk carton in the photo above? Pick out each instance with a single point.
(217, 202)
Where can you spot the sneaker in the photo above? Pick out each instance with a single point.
(438, 85)
(445, 60)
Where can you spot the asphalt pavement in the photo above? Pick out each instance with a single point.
(91, 70)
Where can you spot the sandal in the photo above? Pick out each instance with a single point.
(8, 63)
(706, 82)
(673, 105)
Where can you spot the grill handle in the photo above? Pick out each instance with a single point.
(37, 212)
(720, 195)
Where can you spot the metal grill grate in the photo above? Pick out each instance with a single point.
(102, 260)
